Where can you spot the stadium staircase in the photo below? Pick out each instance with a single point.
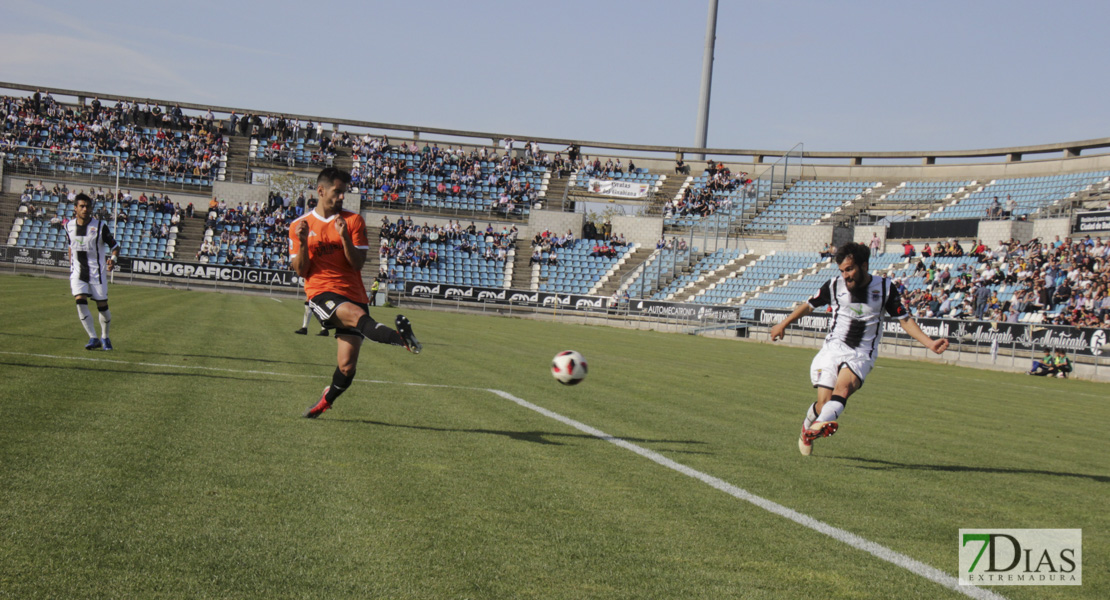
(1093, 197)
(237, 148)
(850, 211)
(552, 197)
(956, 198)
(190, 235)
(670, 189)
(688, 292)
(612, 281)
(778, 283)
(778, 189)
(9, 206)
(522, 271)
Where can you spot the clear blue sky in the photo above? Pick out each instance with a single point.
(862, 75)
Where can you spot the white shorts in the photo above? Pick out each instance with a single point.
(93, 289)
(832, 357)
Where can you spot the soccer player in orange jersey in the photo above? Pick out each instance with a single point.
(328, 248)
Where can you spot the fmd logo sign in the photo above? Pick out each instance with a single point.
(1021, 557)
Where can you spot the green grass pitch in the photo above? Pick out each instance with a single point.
(179, 465)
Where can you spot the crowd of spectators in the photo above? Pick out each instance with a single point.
(229, 229)
(704, 200)
(1065, 280)
(410, 244)
(447, 172)
(181, 145)
(105, 205)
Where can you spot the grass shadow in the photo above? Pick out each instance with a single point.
(886, 465)
(535, 437)
(135, 372)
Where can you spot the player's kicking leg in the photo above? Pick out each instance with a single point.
(821, 416)
(346, 363)
(354, 316)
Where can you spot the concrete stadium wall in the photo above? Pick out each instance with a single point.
(241, 193)
(556, 221)
(862, 234)
(1048, 229)
(991, 232)
(808, 238)
(639, 230)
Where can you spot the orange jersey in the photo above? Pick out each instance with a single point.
(328, 269)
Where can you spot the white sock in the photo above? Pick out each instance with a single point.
(831, 410)
(307, 316)
(811, 416)
(105, 319)
(86, 319)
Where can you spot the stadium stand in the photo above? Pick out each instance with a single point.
(1029, 194)
(577, 269)
(706, 265)
(1064, 282)
(450, 180)
(450, 255)
(806, 202)
(152, 146)
(760, 273)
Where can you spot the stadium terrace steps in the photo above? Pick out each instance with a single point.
(712, 278)
(670, 189)
(522, 271)
(190, 235)
(237, 149)
(954, 200)
(610, 283)
(659, 270)
(553, 195)
(850, 211)
(9, 207)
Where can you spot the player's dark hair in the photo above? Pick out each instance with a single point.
(860, 253)
(332, 174)
(82, 196)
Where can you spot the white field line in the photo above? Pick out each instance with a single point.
(840, 535)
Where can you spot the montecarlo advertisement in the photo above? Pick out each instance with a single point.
(502, 296)
(1023, 335)
(213, 273)
(39, 257)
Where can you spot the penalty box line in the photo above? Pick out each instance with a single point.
(841, 535)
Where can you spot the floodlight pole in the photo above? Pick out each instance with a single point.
(706, 79)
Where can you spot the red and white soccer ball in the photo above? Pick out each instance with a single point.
(568, 367)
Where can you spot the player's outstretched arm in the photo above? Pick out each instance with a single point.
(914, 330)
(779, 329)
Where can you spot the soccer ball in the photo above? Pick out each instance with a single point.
(568, 367)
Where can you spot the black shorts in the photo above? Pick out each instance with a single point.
(324, 306)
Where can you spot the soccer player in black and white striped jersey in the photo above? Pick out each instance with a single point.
(859, 302)
(93, 252)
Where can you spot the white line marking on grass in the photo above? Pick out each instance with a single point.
(840, 535)
(226, 370)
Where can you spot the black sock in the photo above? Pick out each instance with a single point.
(339, 384)
(375, 331)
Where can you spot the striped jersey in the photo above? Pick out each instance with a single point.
(857, 317)
(89, 246)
